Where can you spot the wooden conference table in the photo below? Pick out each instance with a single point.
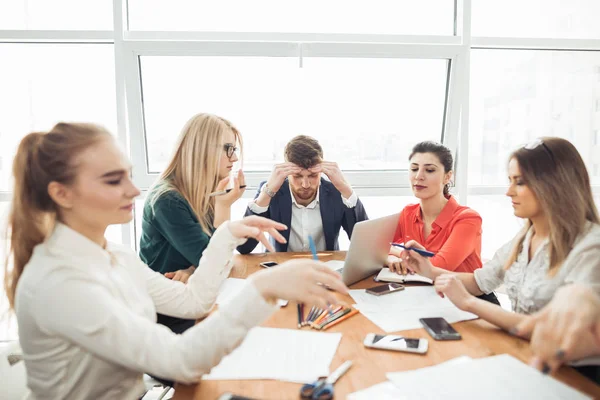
(480, 339)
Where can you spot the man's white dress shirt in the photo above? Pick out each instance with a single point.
(306, 220)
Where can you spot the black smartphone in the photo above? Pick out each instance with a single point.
(385, 289)
(268, 264)
(440, 329)
(231, 396)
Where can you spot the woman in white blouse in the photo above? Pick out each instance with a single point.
(86, 308)
(559, 244)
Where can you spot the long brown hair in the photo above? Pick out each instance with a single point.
(42, 157)
(555, 172)
(194, 165)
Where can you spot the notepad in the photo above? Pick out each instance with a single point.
(496, 377)
(402, 310)
(283, 354)
(385, 275)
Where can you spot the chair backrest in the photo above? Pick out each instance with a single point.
(13, 378)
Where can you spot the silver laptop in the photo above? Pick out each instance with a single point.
(369, 248)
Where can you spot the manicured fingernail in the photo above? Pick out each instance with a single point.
(560, 354)
(545, 369)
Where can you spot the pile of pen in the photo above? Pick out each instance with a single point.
(323, 319)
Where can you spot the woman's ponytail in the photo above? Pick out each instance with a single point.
(41, 158)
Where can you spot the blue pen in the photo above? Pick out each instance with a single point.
(313, 249)
(424, 253)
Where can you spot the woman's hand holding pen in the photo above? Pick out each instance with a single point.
(303, 281)
(416, 262)
(227, 199)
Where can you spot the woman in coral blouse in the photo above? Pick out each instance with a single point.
(438, 222)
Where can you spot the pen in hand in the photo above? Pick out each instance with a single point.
(222, 192)
(424, 253)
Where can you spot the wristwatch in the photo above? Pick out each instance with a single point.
(269, 192)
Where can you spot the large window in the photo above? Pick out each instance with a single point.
(56, 15)
(368, 79)
(42, 84)
(366, 112)
(536, 18)
(519, 95)
(312, 16)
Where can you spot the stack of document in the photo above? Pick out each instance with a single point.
(283, 354)
(496, 377)
(402, 310)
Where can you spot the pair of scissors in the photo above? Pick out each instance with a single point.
(322, 389)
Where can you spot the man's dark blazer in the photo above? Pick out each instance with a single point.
(334, 214)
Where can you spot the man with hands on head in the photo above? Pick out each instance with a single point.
(297, 196)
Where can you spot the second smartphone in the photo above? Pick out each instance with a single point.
(440, 329)
(385, 289)
(398, 343)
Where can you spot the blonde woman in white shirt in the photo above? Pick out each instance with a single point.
(86, 308)
(560, 243)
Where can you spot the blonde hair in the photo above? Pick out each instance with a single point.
(194, 166)
(42, 157)
(556, 174)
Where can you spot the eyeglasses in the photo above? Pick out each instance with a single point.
(230, 150)
(536, 143)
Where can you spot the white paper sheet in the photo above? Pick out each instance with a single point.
(402, 310)
(283, 354)
(382, 391)
(497, 377)
(388, 391)
(231, 287)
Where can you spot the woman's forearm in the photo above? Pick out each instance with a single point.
(494, 314)
(468, 279)
(222, 214)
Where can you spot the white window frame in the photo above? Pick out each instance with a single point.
(130, 45)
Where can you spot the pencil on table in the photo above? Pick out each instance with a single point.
(317, 314)
(317, 317)
(343, 318)
(326, 315)
(335, 316)
(310, 313)
(299, 315)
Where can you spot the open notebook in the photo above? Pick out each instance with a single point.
(386, 276)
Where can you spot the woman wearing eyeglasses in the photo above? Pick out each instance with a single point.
(549, 187)
(179, 214)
